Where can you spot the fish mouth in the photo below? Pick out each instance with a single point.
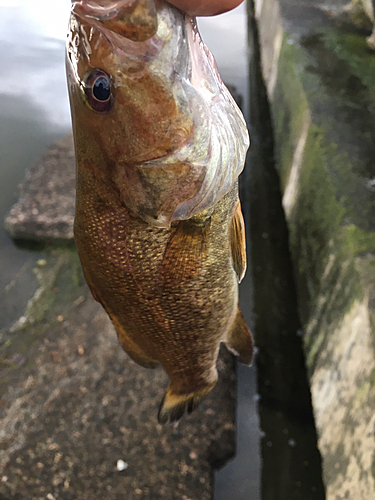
(135, 20)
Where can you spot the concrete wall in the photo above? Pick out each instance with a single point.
(321, 94)
(368, 7)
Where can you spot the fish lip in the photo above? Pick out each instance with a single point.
(87, 8)
(136, 20)
(144, 51)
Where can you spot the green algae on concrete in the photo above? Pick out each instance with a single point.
(290, 113)
(323, 116)
(42, 311)
(351, 48)
(359, 241)
(360, 13)
(321, 247)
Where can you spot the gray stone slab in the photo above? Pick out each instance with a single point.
(45, 209)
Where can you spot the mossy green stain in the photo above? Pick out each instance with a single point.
(289, 110)
(59, 277)
(359, 241)
(336, 463)
(318, 223)
(352, 48)
(372, 378)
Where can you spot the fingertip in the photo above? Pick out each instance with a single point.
(205, 7)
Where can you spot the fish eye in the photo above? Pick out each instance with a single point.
(98, 91)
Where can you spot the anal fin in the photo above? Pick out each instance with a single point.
(239, 340)
(131, 348)
(173, 406)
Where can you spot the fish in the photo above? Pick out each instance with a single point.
(159, 144)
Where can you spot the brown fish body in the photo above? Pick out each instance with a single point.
(168, 282)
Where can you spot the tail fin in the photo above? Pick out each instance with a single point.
(240, 340)
(173, 406)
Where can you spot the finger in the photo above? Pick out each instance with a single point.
(205, 7)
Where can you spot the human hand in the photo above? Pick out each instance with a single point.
(205, 7)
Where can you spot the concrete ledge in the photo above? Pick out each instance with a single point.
(45, 210)
(321, 90)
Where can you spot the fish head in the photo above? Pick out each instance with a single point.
(117, 98)
(149, 110)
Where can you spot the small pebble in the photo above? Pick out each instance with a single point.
(18, 359)
(121, 465)
(79, 301)
(60, 318)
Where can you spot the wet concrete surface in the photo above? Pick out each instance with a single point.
(322, 107)
(343, 104)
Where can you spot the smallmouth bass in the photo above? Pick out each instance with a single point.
(159, 146)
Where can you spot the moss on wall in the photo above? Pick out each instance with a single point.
(324, 237)
(289, 109)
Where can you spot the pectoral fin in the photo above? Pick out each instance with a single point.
(238, 243)
(185, 251)
(240, 340)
